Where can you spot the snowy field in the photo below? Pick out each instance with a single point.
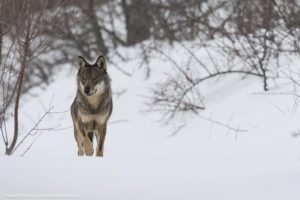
(143, 160)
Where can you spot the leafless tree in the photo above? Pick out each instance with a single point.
(24, 42)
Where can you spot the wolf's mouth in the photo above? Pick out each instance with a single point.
(91, 94)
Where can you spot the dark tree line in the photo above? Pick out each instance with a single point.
(92, 27)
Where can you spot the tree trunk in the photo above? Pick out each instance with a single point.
(138, 20)
(1, 27)
(19, 83)
(96, 28)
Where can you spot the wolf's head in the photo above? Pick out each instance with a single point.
(92, 79)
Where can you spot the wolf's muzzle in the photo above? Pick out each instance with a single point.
(87, 91)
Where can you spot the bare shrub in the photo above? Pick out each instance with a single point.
(23, 44)
(249, 38)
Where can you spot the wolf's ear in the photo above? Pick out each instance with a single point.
(101, 62)
(81, 62)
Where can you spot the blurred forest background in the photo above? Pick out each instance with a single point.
(37, 37)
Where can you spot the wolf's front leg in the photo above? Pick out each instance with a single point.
(79, 141)
(80, 148)
(88, 144)
(101, 133)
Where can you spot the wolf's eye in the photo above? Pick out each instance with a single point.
(97, 80)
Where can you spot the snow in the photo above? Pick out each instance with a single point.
(144, 161)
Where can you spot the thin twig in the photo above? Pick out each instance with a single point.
(227, 126)
(29, 147)
(33, 128)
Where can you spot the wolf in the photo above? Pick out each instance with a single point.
(92, 105)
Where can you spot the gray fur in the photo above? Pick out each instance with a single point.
(92, 106)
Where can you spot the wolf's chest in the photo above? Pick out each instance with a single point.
(89, 118)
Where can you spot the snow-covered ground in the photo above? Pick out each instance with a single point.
(142, 158)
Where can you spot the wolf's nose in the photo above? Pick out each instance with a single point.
(87, 90)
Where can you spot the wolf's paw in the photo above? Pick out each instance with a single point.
(99, 153)
(80, 153)
(89, 152)
(88, 147)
